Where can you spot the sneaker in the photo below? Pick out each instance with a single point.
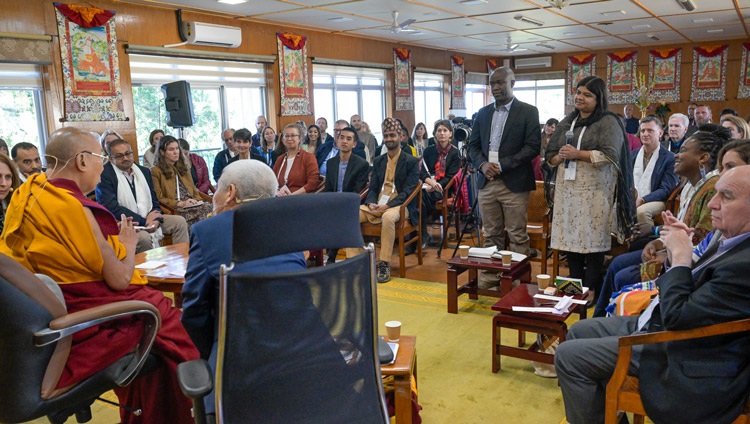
(384, 272)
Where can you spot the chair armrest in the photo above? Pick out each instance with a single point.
(70, 324)
(694, 333)
(450, 185)
(412, 195)
(166, 210)
(205, 197)
(196, 382)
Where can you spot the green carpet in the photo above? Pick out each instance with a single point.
(456, 384)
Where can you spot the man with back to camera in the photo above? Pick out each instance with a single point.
(346, 172)
(711, 376)
(631, 122)
(653, 172)
(677, 130)
(222, 158)
(505, 138)
(394, 176)
(26, 156)
(127, 188)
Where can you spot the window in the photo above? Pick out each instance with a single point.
(343, 91)
(428, 99)
(545, 92)
(23, 112)
(475, 98)
(225, 94)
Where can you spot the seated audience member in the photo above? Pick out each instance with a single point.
(107, 137)
(243, 147)
(322, 124)
(269, 146)
(549, 129)
(260, 123)
(653, 172)
(727, 112)
(53, 229)
(394, 176)
(4, 148)
(703, 116)
(421, 139)
(406, 139)
(173, 185)
(346, 172)
(733, 154)
(222, 158)
(676, 130)
(710, 375)
(27, 159)
(9, 182)
(149, 157)
(365, 137)
(296, 171)
(312, 140)
(738, 126)
(242, 182)
(126, 188)
(197, 167)
(696, 162)
(329, 149)
(439, 165)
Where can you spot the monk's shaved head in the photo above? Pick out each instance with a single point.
(65, 143)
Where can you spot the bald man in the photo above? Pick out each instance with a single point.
(52, 228)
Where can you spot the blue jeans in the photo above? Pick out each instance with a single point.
(624, 269)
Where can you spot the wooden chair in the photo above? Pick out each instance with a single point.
(321, 184)
(445, 205)
(539, 228)
(623, 392)
(403, 228)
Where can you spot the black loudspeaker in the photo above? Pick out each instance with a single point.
(179, 104)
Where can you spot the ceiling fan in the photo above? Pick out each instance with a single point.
(510, 47)
(400, 27)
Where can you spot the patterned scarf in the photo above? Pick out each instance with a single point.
(440, 165)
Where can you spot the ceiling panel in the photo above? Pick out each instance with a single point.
(605, 11)
(493, 6)
(516, 36)
(671, 7)
(381, 9)
(383, 33)
(631, 26)
(461, 26)
(599, 43)
(547, 18)
(316, 18)
(708, 19)
(729, 32)
(567, 32)
(664, 37)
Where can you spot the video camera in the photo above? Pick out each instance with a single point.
(462, 132)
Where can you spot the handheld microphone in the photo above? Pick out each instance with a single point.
(568, 140)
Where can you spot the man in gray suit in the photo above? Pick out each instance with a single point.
(703, 380)
(505, 138)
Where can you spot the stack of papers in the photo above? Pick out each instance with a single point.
(394, 348)
(150, 265)
(482, 252)
(517, 257)
(562, 305)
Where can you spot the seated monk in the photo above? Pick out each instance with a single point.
(52, 228)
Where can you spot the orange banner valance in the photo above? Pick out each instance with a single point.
(664, 53)
(582, 59)
(491, 64)
(403, 54)
(458, 60)
(621, 56)
(292, 41)
(83, 16)
(710, 51)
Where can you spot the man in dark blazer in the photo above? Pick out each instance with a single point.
(505, 138)
(329, 150)
(389, 188)
(222, 158)
(346, 172)
(654, 182)
(127, 188)
(698, 381)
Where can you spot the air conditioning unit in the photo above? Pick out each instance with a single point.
(533, 62)
(212, 35)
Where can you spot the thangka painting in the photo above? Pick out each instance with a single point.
(491, 66)
(403, 77)
(579, 67)
(457, 83)
(621, 68)
(295, 94)
(709, 73)
(664, 71)
(90, 66)
(744, 90)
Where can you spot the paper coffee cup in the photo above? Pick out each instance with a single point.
(393, 330)
(542, 280)
(463, 251)
(507, 257)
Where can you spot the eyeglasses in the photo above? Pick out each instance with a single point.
(104, 158)
(291, 135)
(123, 155)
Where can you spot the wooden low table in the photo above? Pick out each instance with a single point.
(456, 266)
(535, 322)
(168, 278)
(403, 370)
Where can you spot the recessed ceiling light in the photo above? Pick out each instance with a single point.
(473, 2)
(528, 20)
(715, 31)
(232, 1)
(429, 14)
(339, 19)
(604, 23)
(468, 25)
(613, 13)
(653, 37)
(642, 26)
(597, 41)
(703, 20)
(570, 33)
(546, 46)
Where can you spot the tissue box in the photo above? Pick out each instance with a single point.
(569, 285)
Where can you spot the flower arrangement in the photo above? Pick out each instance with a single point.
(643, 92)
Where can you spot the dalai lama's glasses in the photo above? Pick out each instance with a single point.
(104, 158)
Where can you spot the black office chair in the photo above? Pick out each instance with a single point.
(296, 347)
(35, 340)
